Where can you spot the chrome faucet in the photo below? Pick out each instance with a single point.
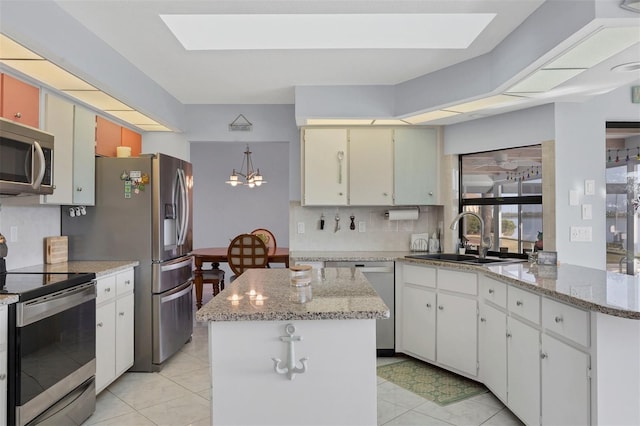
(485, 242)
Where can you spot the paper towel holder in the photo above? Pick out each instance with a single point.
(411, 213)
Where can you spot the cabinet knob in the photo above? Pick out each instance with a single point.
(428, 305)
(430, 193)
(107, 290)
(519, 303)
(441, 307)
(482, 319)
(385, 194)
(79, 189)
(543, 355)
(121, 314)
(508, 335)
(3, 376)
(340, 193)
(18, 115)
(127, 282)
(100, 324)
(558, 319)
(490, 291)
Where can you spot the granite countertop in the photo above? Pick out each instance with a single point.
(7, 299)
(592, 289)
(99, 267)
(334, 293)
(345, 256)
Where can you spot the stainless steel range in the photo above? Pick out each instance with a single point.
(51, 348)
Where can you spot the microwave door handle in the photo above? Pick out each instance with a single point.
(41, 166)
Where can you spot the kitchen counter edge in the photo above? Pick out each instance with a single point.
(99, 267)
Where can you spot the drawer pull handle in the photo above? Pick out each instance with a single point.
(518, 303)
(508, 335)
(543, 355)
(121, 314)
(100, 324)
(3, 376)
(490, 291)
(558, 319)
(441, 307)
(482, 319)
(428, 305)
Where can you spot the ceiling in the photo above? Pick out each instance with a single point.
(136, 31)
(522, 37)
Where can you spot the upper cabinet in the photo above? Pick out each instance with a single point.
(19, 101)
(74, 167)
(325, 160)
(109, 136)
(370, 166)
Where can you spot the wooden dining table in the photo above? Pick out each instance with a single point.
(217, 255)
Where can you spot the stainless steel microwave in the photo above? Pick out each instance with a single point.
(26, 159)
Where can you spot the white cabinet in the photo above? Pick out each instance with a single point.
(74, 161)
(3, 362)
(457, 332)
(325, 160)
(492, 350)
(416, 166)
(565, 384)
(523, 372)
(419, 321)
(114, 327)
(370, 167)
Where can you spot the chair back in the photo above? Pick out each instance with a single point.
(267, 237)
(247, 251)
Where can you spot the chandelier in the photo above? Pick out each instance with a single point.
(251, 177)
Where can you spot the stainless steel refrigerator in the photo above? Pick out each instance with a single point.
(143, 211)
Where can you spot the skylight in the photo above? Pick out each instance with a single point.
(327, 31)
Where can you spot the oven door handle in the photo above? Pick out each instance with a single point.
(45, 306)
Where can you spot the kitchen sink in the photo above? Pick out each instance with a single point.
(459, 258)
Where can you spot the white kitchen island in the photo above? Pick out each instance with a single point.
(284, 355)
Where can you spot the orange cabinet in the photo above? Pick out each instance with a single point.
(132, 139)
(109, 136)
(19, 101)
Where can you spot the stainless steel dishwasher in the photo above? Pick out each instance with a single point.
(381, 277)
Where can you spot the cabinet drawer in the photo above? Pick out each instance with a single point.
(460, 282)
(124, 282)
(106, 289)
(493, 291)
(419, 275)
(567, 321)
(524, 304)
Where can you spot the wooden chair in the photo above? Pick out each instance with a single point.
(268, 239)
(246, 251)
(214, 276)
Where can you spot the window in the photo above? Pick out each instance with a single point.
(503, 187)
(623, 197)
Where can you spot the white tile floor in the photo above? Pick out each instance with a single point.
(179, 396)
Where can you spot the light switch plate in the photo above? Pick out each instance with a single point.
(589, 187)
(573, 198)
(300, 227)
(587, 212)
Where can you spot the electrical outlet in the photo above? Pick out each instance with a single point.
(581, 234)
(300, 227)
(362, 226)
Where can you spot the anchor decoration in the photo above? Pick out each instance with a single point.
(290, 369)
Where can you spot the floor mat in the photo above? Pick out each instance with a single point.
(430, 382)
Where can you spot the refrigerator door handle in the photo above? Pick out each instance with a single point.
(183, 206)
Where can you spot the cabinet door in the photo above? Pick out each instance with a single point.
(370, 167)
(124, 334)
(523, 372)
(58, 120)
(457, 333)
(84, 148)
(565, 384)
(20, 101)
(105, 345)
(325, 167)
(132, 140)
(493, 350)
(419, 322)
(108, 137)
(416, 166)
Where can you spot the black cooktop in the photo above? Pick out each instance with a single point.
(31, 285)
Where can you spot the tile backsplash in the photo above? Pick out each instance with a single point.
(380, 234)
(31, 225)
